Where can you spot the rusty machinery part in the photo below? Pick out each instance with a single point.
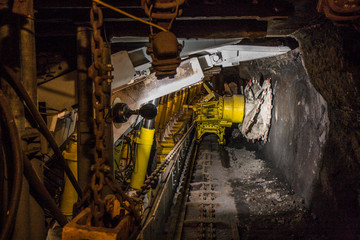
(159, 170)
(128, 14)
(164, 48)
(165, 10)
(101, 74)
(258, 108)
(340, 11)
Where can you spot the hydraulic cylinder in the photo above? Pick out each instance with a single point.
(144, 144)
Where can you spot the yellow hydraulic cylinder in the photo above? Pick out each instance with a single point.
(163, 113)
(192, 92)
(69, 196)
(186, 100)
(175, 104)
(144, 143)
(183, 95)
(180, 100)
(169, 108)
(158, 116)
(198, 89)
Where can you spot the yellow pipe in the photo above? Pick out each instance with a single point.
(175, 103)
(69, 196)
(144, 143)
(184, 97)
(169, 110)
(163, 114)
(182, 94)
(198, 89)
(179, 101)
(187, 96)
(191, 92)
(158, 116)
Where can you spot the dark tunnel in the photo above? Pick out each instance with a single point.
(84, 156)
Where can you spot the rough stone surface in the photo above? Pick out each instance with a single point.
(323, 166)
(267, 207)
(331, 58)
(299, 124)
(244, 197)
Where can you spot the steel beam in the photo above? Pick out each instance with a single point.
(84, 99)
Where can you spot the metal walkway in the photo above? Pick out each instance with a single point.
(229, 193)
(210, 211)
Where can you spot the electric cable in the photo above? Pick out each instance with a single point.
(22, 93)
(38, 187)
(17, 163)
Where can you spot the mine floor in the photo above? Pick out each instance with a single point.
(234, 194)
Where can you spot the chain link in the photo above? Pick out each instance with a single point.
(159, 170)
(164, 12)
(101, 73)
(98, 72)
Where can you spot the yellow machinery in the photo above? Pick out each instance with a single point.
(215, 116)
(69, 196)
(168, 106)
(144, 142)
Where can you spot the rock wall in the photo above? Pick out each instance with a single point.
(332, 60)
(299, 124)
(315, 132)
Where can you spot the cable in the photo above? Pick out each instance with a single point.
(129, 15)
(38, 187)
(52, 78)
(20, 90)
(17, 165)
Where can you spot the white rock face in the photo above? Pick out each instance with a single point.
(258, 107)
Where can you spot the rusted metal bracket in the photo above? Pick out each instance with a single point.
(164, 48)
(23, 7)
(339, 11)
(165, 51)
(77, 229)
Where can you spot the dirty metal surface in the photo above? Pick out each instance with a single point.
(234, 194)
(76, 229)
(176, 162)
(210, 209)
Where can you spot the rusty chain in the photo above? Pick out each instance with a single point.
(163, 11)
(94, 71)
(101, 74)
(159, 170)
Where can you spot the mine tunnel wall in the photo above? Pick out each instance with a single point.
(332, 61)
(299, 125)
(315, 131)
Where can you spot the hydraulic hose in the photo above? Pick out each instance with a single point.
(5, 109)
(19, 88)
(41, 192)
